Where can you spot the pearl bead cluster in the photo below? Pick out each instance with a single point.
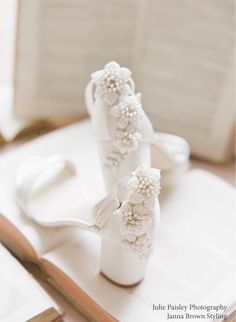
(127, 111)
(111, 82)
(128, 137)
(147, 186)
(135, 214)
(115, 158)
(131, 110)
(132, 218)
(140, 245)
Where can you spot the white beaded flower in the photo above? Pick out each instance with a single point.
(131, 221)
(112, 81)
(128, 111)
(135, 214)
(145, 186)
(140, 245)
(114, 159)
(126, 141)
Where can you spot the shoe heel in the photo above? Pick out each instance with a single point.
(120, 266)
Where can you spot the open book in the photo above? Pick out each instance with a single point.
(193, 261)
(181, 56)
(21, 298)
(12, 127)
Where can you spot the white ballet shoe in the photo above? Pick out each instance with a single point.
(124, 133)
(126, 219)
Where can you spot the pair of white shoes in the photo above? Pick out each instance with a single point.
(127, 218)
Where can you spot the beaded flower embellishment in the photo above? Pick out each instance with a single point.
(128, 112)
(111, 82)
(135, 215)
(114, 86)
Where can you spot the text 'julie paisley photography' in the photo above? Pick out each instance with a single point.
(192, 311)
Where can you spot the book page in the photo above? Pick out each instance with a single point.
(9, 125)
(181, 54)
(12, 127)
(68, 40)
(21, 298)
(75, 142)
(184, 65)
(193, 260)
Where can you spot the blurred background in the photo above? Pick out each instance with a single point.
(181, 54)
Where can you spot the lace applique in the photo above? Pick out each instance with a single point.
(128, 112)
(135, 215)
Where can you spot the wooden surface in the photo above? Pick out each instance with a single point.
(226, 171)
(71, 313)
